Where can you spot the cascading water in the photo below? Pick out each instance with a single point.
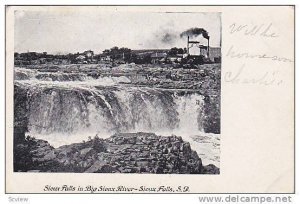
(69, 111)
(61, 110)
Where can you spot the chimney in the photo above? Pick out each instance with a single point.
(188, 40)
(208, 47)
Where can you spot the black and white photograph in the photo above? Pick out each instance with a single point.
(150, 99)
(117, 92)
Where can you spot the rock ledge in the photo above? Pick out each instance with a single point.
(121, 153)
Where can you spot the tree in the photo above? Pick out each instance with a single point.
(174, 51)
(106, 52)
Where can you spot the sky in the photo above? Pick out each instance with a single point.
(77, 31)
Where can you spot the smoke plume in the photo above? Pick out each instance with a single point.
(168, 38)
(194, 32)
(163, 37)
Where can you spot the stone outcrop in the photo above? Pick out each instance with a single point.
(121, 153)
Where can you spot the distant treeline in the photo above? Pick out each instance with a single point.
(113, 55)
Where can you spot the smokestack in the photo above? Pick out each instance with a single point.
(188, 40)
(208, 47)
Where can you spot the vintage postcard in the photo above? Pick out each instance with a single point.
(148, 99)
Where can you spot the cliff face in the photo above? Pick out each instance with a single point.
(211, 114)
(20, 114)
(121, 153)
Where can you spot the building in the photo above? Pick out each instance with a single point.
(80, 58)
(105, 58)
(88, 54)
(158, 57)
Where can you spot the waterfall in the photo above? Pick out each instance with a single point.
(64, 108)
(190, 110)
(61, 111)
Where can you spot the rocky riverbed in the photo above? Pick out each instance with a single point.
(120, 153)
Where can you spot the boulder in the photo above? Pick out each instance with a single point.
(210, 169)
(85, 151)
(96, 167)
